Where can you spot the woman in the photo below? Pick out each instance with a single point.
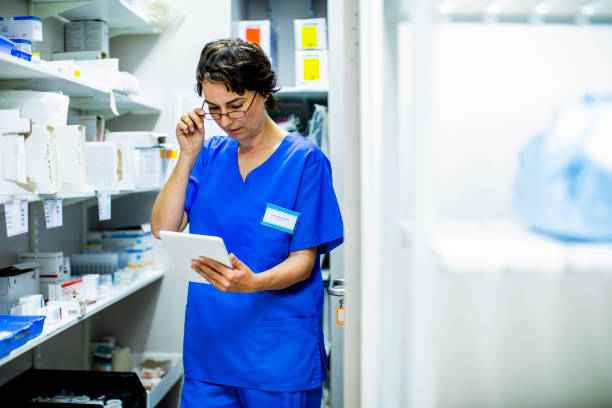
(253, 337)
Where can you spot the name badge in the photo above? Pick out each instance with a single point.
(280, 218)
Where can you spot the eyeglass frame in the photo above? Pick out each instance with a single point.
(209, 116)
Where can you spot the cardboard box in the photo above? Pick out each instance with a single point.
(101, 164)
(51, 264)
(16, 281)
(126, 152)
(311, 70)
(258, 32)
(41, 159)
(310, 34)
(148, 167)
(12, 153)
(23, 45)
(70, 151)
(76, 55)
(49, 108)
(87, 35)
(139, 139)
(24, 28)
(94, 126)
(12, 122)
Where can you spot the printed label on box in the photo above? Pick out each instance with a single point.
(311, 69)
(309, 37)
(253, 35)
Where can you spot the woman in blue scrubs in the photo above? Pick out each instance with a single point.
(253, 337)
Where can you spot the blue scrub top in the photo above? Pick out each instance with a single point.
(270, 340)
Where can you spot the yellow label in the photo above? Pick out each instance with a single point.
(311, 69)
(77, 74)
(171, 154)
(309, 37)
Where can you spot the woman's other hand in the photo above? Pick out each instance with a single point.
(190, 133)
(239, 279)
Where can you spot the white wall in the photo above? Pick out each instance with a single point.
(495, 86)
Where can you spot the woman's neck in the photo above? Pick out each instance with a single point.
(268, 135)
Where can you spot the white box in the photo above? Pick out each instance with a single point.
(101, 163)
(16, 281)
(88, 35)
(311, 70)
(13, 158)
(76, 55)
(41, 107)
(23, 45)
(258, 32)
(11, 122)
(51, 264)
(24, 27)
(310, 34)
(41, 159)
(127, 165)
(70, 151)
(94, 126)
(148, 167)
(139, 139)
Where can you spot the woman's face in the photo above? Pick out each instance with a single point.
(220, 100)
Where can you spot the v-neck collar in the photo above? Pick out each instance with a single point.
(234, 151)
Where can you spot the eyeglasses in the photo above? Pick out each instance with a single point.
(232, 115)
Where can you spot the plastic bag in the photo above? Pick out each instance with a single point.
(317, 128)
(563, 187)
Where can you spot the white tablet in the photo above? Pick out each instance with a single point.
(184, 247)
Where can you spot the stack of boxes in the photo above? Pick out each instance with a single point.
(87, 35)
(22, 31)
(311, 53)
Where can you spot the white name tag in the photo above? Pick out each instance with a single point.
(280, 218)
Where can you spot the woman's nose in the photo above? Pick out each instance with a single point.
(225, 121)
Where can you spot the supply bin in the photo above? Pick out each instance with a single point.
(20, 329)
(95, 384)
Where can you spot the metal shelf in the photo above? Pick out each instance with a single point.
(70, 198)
(146, 278)
(87, 96)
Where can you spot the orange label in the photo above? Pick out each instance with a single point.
(340, 316)
(253, 35)
(171, 154)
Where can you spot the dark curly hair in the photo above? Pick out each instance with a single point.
(240, 65)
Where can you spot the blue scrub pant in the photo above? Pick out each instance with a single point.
(200, 394)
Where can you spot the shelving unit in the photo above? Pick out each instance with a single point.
(88, 97)
(52, 330)
(121, 17)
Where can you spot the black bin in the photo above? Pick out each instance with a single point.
(49, 383)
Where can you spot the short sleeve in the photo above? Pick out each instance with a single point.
(320, 222)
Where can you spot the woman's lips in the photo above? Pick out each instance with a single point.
(233, 130)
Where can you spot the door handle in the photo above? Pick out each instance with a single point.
(336, 287)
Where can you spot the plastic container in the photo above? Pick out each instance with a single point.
(23, 328)
(6, 45)
(21, 54)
